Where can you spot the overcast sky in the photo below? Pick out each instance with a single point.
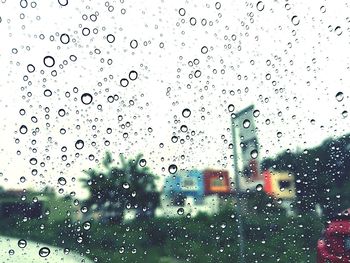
(290, 60)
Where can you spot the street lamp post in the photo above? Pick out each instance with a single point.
(238, 194)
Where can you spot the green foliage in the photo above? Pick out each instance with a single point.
(322, 175)
(112, 188)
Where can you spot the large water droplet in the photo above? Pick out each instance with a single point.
(172, 168)
(79, 144)
(44, 252)
(259, 187)
(254, 154)
(86, 98)
(62, 181)
(180, 211)
(49, 61)
(246, 123)
(186, 113)
(295, 20)
(339, 96)
(22, 243)
(260, 6)
(23, 129)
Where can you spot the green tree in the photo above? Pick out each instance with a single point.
(115, 188)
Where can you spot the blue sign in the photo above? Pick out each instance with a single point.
(185, 183)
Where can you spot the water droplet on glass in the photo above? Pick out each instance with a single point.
(44, 252)
(259, 187)
(86, 98)
(295, 20)
(182, 11)
(63, 2)
(133, 75)
(338, 30)
(110, 38)
(79, 144)
(339, 96)
(180, 211)
(254, 154)
(133, 44)
(22, 243)
(87, 225)
(260, 6)
(246, 123)
(62, 181)
(23, 129)
(172, 168)
(49, 61)
(231, 108)
(126, 186)
(142, 162)
(186, 113)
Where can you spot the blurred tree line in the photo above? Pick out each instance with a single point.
(114, 188)
(322, 175)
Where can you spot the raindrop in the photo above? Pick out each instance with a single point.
(33, 161)
(23, 129)
(260, 6)
(344, 114)
(246, 123)
(22, 243)
(124, 82)
(256, 113)
(49, 61)
(87, 225)
(338, 30)
(11, 252)
(79, 144)
(197, 73)
(295, 20)
(259, 187)
(142, 162)
(64, 39)
(44, 252)
(172, 168)
(133, 44)
(61, 112)
(204, 50)
(62, 181)
(23, 3)
(231, 108)
(182, 11)
(183, 128)
(86, 98)
(47, 93)
(339, 96)
(193, 21)
(126, 186)
(254, 154)
(279, 134)
(186, 113)
(110, 38)
(180, 211)
(133, 75)
(30, 68)
(323, 9)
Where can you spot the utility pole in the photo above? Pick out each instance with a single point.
(238, 194)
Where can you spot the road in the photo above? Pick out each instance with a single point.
(21, 251)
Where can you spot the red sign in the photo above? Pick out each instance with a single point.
(216, 182)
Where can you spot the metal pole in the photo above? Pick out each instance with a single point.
(238, 195)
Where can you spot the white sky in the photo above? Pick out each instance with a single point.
(309, 62)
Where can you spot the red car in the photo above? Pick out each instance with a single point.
(334, 245)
